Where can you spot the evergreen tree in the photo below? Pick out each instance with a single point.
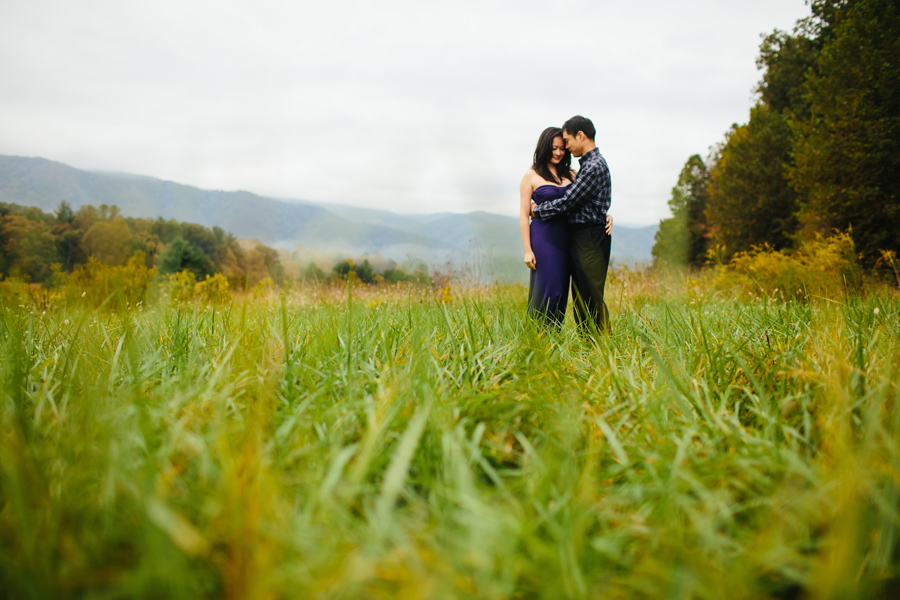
(181, 255)
(847, 152)
(64, 214)
(67, 237)
(786, 61)
(365, 272)
(681, 240)
(751, 201)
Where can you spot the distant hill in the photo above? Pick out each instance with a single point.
(486, 240)
(43, 183)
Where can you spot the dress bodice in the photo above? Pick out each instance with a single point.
(548, 192)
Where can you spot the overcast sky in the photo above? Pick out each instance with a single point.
(411, 106)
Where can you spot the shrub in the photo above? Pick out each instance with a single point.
(213, 290)
(818, 267)
(99, 283)
(14, 291)
(264, 288)
(181, 286)
(888, 260)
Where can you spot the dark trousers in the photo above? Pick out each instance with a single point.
(589, 247)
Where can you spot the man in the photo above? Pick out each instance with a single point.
(585, 205)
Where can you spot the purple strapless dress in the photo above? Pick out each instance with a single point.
(548, 291)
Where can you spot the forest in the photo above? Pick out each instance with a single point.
(34, 245)
(41, 248)
(819, 154)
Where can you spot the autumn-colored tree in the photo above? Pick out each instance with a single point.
(253, 264)
(27, 248)
(272, 263)
(31, 242)
(84, 217)
(109, 242)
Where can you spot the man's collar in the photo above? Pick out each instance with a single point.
(588, 153)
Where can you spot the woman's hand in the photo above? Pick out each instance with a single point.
(530, 261)
(609, 221)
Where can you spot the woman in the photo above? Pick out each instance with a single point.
(546, 243)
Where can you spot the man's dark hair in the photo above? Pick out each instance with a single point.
(579, 123)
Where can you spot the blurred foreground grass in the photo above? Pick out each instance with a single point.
(406, 447)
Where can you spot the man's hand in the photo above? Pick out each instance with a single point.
(530, 261)
(609, 221)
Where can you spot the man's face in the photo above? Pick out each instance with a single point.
(573, 143)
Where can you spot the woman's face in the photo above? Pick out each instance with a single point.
(559, 150)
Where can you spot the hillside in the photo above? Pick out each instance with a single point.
(489, 240)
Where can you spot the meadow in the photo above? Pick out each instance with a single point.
(402, 443)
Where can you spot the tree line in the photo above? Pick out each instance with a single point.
(820, 152)
(34, 245)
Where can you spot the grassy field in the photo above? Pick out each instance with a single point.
(402, 445)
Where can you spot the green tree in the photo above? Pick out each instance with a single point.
(67, 237)
(847, 152)
(180, 255)
(344, 268)
(64, 214)
(68, 246)
(312, 272)
(681, 239)
(166, 231)
(786, 61)
(363, 272)
(201, 237)
(751, 201)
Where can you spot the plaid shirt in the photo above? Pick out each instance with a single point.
(588, 198)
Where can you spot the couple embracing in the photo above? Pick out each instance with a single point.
(570, 231)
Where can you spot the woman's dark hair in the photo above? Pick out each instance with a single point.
(544, 153)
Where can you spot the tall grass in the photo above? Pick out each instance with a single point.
(404, 446)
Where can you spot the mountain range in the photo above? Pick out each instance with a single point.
(487, 241)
